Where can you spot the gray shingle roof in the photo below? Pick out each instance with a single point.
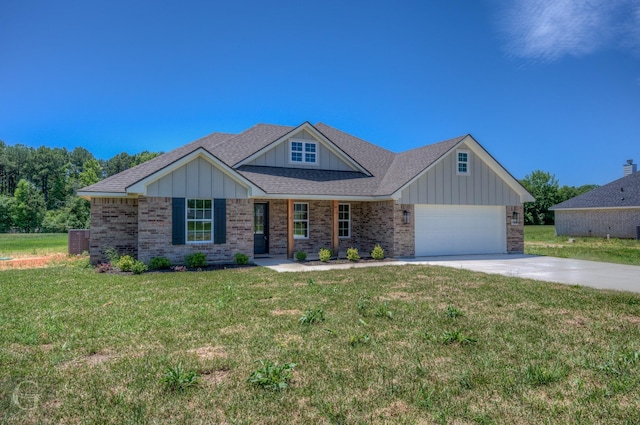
(389, 171)
(621, 193)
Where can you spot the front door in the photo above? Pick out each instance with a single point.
(260, 228)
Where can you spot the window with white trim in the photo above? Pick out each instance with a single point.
(462, 162)
(344, 220)
(199, 220)
(300, 220)
(303, 152)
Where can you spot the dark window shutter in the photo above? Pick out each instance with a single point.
(219, 221)
(178, 219)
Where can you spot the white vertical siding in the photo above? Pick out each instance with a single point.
(198, 179)
(442, 185)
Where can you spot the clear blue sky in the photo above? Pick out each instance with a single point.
(542, 84)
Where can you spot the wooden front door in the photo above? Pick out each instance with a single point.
(260, 228)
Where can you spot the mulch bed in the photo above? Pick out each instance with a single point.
(344, 261)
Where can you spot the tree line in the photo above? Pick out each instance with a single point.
(545, 188)
(38, 186)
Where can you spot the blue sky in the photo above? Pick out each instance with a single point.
(550, 85)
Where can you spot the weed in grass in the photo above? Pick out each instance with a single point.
(359, 339)
(426, 397)
(176, 378)
(537, 375)
(312, 316)
(311, 282)
(452, 337)
(332, 412)
(453, 313)
(271, 375)
(421, 368)
(382, 310)
(363, 306)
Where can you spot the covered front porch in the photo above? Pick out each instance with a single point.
(283, 227)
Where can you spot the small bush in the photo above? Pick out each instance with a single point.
(301, 255)
(312, 316)
(271, 375)
(125, 263)
(195, 260)
(112, 254)
(325, 254)
(377, 253)
(159, 263)
(352, 254)
(241, 259)
(139, 267)
(177, 379)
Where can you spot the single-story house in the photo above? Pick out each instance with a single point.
(612, 209)
(276, 190)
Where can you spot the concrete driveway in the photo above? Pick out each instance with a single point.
(550, 269)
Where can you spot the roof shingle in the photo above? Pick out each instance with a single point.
(621, 193)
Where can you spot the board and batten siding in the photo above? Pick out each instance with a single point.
(279, 156)
(197, 179)
(442, 185)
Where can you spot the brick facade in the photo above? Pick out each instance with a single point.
(617, 223)
(515, 231)
(114, 224)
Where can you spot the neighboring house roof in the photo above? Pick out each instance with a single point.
(621, 193)
(381, 174)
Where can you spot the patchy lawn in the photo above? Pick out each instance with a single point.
(409, 344)
(32, 244)
(541, 240)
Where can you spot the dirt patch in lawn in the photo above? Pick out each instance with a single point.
(285, 312)
(215, 376)
(35, 262)
(209, 352)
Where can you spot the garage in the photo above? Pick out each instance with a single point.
(460, 229)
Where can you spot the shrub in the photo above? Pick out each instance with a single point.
(241, 259)
(352, 254)
(125, 263)
(325, 254)
(159, 263)
(139, 267)
(271, 375)
(301, 255)
(196, 259)
(177, 379)
(112, 254)
(377, 253)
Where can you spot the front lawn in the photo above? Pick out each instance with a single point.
(397, 344)
(32, 244)
(541, 240)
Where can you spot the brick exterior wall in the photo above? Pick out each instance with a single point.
(618, 223)
(405, 234)
(155, 233)
(515, 232)
(114, 224)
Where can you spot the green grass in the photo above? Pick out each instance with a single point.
(541, 240)
(81, 347)
(21, 244)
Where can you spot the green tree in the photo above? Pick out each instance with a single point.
(6, 213)
(29, 208)
(544, 187)
(568, 192)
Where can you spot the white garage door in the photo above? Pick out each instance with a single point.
(460, 229)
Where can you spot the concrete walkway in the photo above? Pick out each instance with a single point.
(550, 269)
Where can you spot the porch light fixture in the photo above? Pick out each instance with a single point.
(515, 218)
(406, 217)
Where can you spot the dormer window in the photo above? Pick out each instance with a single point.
(303, 152)
(462, 162)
